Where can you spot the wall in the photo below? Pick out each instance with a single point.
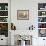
(32, 6)
(24, 5)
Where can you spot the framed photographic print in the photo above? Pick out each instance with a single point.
(22, 14)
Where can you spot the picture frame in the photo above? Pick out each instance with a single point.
(22, 14)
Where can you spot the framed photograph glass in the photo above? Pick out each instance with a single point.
(22, 14)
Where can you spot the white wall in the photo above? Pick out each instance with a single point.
(24, 5)
(32, 6)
